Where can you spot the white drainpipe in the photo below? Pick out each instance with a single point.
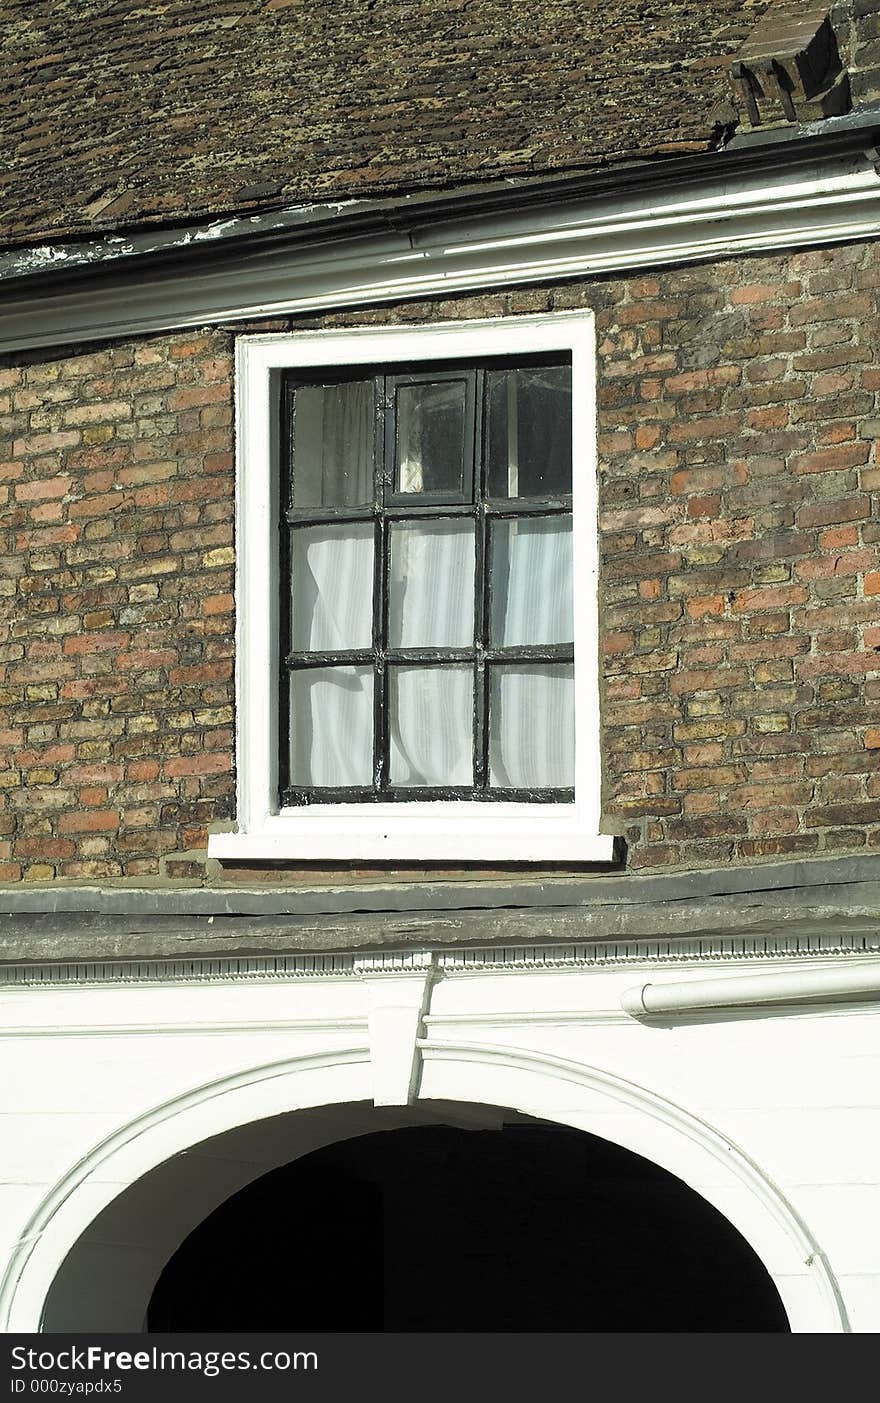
(840, 983)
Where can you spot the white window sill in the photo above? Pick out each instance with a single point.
(419, 832)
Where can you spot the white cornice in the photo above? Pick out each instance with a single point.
(696, 950)
(832, 199)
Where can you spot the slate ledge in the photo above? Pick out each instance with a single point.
(450, 895)
(837, 897)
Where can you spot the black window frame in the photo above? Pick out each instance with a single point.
(389, 506)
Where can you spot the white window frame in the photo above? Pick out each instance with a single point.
(435, 830)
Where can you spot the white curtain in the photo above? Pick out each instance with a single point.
(431, 604)
(531, 727)
(333, 445)
(331, 711)
(531, 708)
(332, 587)
(531, 581)
(431, 725)
(431, 585)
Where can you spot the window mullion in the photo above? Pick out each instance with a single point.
(380, 588)
(481, 596)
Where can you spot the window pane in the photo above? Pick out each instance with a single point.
(332, 568)
(528, 431)
(331, 726)
(531, 727)
(431, 585)
(431, 725)
(531, 581)
(430, 450)
(333, 445)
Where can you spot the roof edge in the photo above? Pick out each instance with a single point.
(62, 262)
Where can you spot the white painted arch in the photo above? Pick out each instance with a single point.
(478, 1074)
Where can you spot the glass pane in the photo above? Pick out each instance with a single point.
(531, 727)
(331, 726)
(431, 585)
(528, 431)
(431, 422)
(332, 572)
(333, 445)
(431, 725)
(531, 581)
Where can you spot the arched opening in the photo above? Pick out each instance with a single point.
(435, 1227)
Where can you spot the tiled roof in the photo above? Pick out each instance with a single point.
(117, 113)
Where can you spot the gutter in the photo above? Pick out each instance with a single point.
(836, 984)
(818, 186)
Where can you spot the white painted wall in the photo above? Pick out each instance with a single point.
(772, 1113)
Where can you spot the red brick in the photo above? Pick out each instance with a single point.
(774, 597)
(94, 796)
(698, 430)
(42, 489)
(830, 460)
(196, 395)
(821, 309)
(637, 313)
(754, 292)
(45, 849)
(834, 512)
(106, 642)
(614, 643)
(41, 537)
(95, 821)
(769, 417)
(647, 436)
(838, 537)
(704, 506)
(197, 765)
(142, 769)
(95, 774)
(702, 605)
(45, 443)
(822, 567)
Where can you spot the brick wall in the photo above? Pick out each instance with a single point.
(740, 598)
(116, 561)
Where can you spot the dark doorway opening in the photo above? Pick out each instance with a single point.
(433, 1228)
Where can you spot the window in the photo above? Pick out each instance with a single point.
(416, 594)
(428, 640)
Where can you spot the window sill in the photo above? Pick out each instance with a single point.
(419, 832)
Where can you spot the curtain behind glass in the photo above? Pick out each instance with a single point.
(531, 726)
(333, 445)
(531, 582)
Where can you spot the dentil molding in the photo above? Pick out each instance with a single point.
(788, 945)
